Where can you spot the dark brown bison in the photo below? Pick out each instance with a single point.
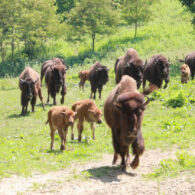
(123, 112)
(55, 79)
(190, 61)
(60, 118)
(86, 111)
(130, 64)
(30, 86)
(48, 63)
(98, 76)
(84, 76)
(156, 70)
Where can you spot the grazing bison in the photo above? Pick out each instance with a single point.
(84, 76)
(55, 79)
(60, 118)
(156, 70)
(130, 64)
(98, 76)
(190, 61)
(123, 112)
(86, 111)
(48, 63)
(30, 86)
(185, 73)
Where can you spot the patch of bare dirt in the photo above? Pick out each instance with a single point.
(104, 179)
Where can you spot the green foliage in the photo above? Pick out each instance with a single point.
(176, 101)
(92, 17)
(170, 167)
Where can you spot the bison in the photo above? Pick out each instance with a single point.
(48, 63)
(130, 64)
(185, 73)
(98, 76)
(123, 112)
(55, 79)
(190, 61)
(60, 118)
(156, 70)
(86, 111)
(84, 76)
(30, 86)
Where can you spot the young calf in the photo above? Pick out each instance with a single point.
(185, 73)
(86, 111)
(60, 118)
(84, 76)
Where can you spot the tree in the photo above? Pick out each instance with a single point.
(136, 11)
(92, 17)
(190, 4)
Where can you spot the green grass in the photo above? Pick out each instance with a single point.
(24, 141)
(171, 168)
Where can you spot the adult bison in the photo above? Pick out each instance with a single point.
(55, 79)
(98, 76)
(123, 112)
(156, 70)
(190, 61)
(129, 64)
(30, 86)
(48, 63)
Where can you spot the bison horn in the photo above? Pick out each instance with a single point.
(51, 67)
(67, 67)
(130, 95)
(22, 81)
(34, 82)
(145, 62)
(147, 101)
(117, 104)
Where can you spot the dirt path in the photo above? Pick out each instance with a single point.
(104, 179)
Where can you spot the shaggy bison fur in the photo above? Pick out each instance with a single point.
(185, 73)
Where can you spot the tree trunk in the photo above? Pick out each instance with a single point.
(136, 20)
(3, 51)
(93, 42)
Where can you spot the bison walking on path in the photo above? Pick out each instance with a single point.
(123, 112)
(60, 118)
(86, 111)
(130, 64)
(98, 76)
(84, 76)
(156, 70)
(190, 61)
(54, 71)
(30, 86)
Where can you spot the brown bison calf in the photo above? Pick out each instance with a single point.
(30, 86)
(86, 111)
(84, 76)
(185, 73)
(156, 70)
(123, 112)
(60, 118)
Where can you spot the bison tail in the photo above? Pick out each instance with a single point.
(47, 122)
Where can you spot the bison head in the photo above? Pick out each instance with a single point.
(131, 106)
(135, 71)
(27, 87)
(69, 117)
(102, 74)
(162, 66)
(184, 69)
(58, 76)
(95, 115)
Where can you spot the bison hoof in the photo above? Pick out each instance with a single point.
(62, 148)
(135, 163)
(123, 168)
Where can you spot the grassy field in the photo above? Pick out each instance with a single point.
(169, 120)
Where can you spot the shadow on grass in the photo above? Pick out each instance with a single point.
(18, 115)
(108, 174)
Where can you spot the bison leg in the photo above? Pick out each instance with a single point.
(41, 98)
(72, 131)
(48, 92)
(93, 130)
(33, 102)
(52, 133)
(63, 92)
(116, 147)
(115, 158)
(138, 149)
(80, 129)
(124, 152)
(53, 95)
(192, 74)
(166, 82)
(62, 136)
(100, 92)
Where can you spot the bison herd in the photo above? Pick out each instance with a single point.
(123, 108)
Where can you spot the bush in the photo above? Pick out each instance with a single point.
(177, 101)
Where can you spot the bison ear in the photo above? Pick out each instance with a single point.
(22, 81)
(34, 82)
(75, 114)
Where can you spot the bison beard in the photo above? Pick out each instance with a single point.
(123, 111)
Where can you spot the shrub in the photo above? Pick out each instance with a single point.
(177, 101)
